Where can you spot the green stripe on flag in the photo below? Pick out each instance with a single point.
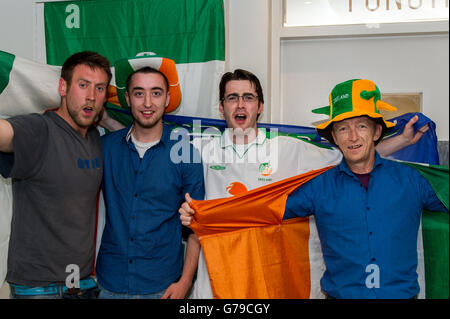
(435, 233)
(185, 31)
(120, 114)
(437, 176)
(435, 249)
(6, 64)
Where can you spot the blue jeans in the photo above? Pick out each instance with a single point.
(106, 294)
(88, 290)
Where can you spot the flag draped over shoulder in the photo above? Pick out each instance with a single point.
(425, 151)
(254, 253)
(251, 253)
(435, 234)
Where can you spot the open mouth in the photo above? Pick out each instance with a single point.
(88, 110)
(354, 147)
(147, 113)
(240, 117)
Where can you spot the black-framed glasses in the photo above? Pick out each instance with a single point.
(234, 98)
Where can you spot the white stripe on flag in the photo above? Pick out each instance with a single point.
(200, 89)
(316, 262)
(32, 88)
(420, 263)
(5, 223)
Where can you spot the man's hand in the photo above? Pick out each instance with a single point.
(390, 145)
(186, 212)
(177, 290)
(180, 288)
(408, 132)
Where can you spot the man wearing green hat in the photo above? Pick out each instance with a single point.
(367, 208)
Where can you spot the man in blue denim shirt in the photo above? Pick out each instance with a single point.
(367, 209)
(141, 253)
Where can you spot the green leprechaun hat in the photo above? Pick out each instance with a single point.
(353, 98)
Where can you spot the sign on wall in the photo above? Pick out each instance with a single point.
(344, 12)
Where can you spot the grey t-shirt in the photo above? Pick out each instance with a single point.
(56, 178)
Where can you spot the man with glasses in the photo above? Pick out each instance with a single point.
(245, 157)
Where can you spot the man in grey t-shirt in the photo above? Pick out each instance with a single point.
(55, 163)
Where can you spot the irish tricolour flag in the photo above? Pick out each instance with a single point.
(252, 253)
(191, 33)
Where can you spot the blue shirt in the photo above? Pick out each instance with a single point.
(141, 251)
(367, 235)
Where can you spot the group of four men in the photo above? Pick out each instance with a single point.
(58, 161)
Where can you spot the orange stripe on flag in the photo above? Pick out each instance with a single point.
(253, 253)
(269, 262)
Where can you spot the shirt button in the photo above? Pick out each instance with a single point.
(370, 233)
(136, 195)
(130, 261)
(131, 239)
(373, 258)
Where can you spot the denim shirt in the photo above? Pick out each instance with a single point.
(141, 251)
(368, 238)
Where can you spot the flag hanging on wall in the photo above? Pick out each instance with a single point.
(191, 33)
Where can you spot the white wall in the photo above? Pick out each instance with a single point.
(247, 40)
(17, 27)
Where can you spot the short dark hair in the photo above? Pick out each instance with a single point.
(240, 74)
(147, 70)
(89, 58)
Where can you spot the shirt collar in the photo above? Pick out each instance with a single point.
(227, 141)
(343, 167)
(165, 134)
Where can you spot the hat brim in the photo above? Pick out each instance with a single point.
(324, 129)
(124, 67)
